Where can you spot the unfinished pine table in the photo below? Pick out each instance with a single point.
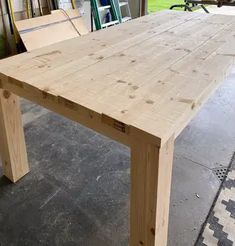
(139, 83)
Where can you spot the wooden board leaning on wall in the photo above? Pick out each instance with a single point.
(45, 30)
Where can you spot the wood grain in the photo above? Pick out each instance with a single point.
(45, 30)
(12, 142)
(151, 169)
(151, 74)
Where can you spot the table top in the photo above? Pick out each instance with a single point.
(151, 73)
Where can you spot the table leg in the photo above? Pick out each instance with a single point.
(151, 171)
(12, 141)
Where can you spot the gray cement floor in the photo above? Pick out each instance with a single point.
(78, 190)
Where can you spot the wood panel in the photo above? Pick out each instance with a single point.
(49, 29)
(92, 44)
(150, 74)
(151, 169)
(12, 143)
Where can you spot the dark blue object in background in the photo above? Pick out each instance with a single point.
(108, 17)
(104, 2)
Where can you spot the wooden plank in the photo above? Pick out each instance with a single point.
(153, 81)
(79, 64)
(50, 29)
(123, 48)
(128, 100)
(53, 57)
(151, 170)
(12, 142)
(98, 122)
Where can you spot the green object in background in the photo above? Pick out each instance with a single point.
(97, 10)
(156, 5)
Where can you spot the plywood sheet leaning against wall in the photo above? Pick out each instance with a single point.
(45, 30)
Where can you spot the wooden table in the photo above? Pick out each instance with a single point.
(139, 83)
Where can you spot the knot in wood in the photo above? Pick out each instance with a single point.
(6, 94)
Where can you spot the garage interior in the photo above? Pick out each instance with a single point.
(78, 188)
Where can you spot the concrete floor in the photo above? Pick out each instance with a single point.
(78, 190)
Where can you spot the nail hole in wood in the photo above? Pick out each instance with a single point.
(135, 87)
(193, 106)
(100, 58)
(124, 111)
(121, 81)
(149, 101)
